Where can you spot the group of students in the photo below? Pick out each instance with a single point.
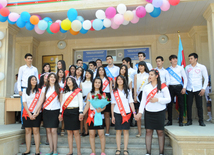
(65, 96)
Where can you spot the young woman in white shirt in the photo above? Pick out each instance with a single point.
(79, 75)
(71, 111)
(30, 98)
(50, 96)
(86, 86)
(121, 113)
(96, 89)
(140, 81)
(154, 100)
(107, 88)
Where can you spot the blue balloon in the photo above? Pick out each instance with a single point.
(97, 24)
(47, 19)
(3, 19)
(25, 16)
(43, 25)
(72, 14)
(20, 23)
(29, 26)
(80, 18)
(85, 66)
(103, 27)
(83, 31)
(62, 31)
(12, 23)
(156, 12)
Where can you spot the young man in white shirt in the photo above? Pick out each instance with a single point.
(176, 88)
(25, 72)
(92, 65)
(99, 63)
(79, 63)
(164, 74)
(195, 73)
(142, 57)
(111, 70)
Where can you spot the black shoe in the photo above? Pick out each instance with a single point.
(168, 123)
(188, 123)
(202, 124)
(181, 124)
(25, 153)
(83, 134)
(37, 153)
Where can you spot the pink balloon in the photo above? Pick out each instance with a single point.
(58, 21)
(1, 6)
(135, 19)
(118, 19)
(13, 16)
(3, 3)
(113, 25)
(165, 6)
(150, 1)
(110, 12)
(37, 30)
(141, 12)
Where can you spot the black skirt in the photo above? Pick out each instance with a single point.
(155, 120)
(71, 119)
(32, 123)
(51, 118)
(108, 107)
(118, 123)
(92, 127)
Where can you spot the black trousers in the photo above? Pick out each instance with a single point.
(175, 90)
(198, 100)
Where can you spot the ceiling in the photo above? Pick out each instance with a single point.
(181, 17)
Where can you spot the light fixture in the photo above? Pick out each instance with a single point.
(163, 39)
(61, 44)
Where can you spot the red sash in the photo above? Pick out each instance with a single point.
(69, 99)
(121, 108)
(106, 83)
(32, 105)
(153, 93)
(90, 118)
(62, 89)
(50, 99)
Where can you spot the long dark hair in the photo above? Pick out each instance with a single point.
(143, 63)
(42, 81)
(63, 65)
(93, 88)
(126, 74)
(158, 79)
(90, 72)
(57, 75)
(30, 87)
(98, 75)
(81, 74)
(56, 85)
(75, 86)
(45, 64)
(70, 70)
(125, 85)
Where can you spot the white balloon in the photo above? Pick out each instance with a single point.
(125, 22)
(100, 14)
(1, 35)
(149, 7)
(86, 24)
(121, 8)
(0, 44)
(76, 25)
(107, 23)
(1, 76)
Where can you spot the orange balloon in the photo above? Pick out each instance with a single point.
(34, 20)
(73, 32)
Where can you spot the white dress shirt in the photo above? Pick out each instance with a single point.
(76, 102)
(140, 78)
(107, 89)
(61, 84)
(148, 65)
(131, 73)
(55, 104)
(115, 70)
(78, 81)
(179, 70)
(24, 73)
(164, 75)
(125, 101)
(194, 76)
(86, 87)
(163, 99)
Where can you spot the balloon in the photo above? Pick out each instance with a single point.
(113, 25)
(20, 23)
(165, 6)
(43, 25)
(103, 27)
(128, 15)
(149, 8)
(25, 16)
(118, 19)
(72, 14)
(121, 8)
(140, 12)
(40, 18)
(80, 18)
(29, 26)
(10, 22)
(1, 6)
(86, 24)
(156, 12)
(34, 20)
(13, 16)
(97, 24)
(73, 32)
(83, 31)
(55, 27)
(135, 19)
(92, 29)
(37, 30)
(3, 3)
(76, 25)
(1, 76)
(1, 35)
(150, 1)
(174, 2)
(66, 24)
(107, 22)
(157, 3)
(100, 14)
(58, 21)
(3, 19)
(125, 22)
(48, 29)
(62, 31)
(110, 12)
(47, 19)
(4, 12)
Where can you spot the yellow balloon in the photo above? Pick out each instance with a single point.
(128, 15)
(66, 24)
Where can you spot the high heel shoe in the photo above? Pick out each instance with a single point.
(49, 153)
(26, 153)
(37, 153)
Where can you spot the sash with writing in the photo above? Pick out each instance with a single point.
(176, 76)
(106, 83)
(108, 73)
(136, 66)
(90, 118)
(143, 82)
(50, 99)
(121, 108)
(69, 99)
(32, 106)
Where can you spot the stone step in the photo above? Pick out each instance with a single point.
(134, 149)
